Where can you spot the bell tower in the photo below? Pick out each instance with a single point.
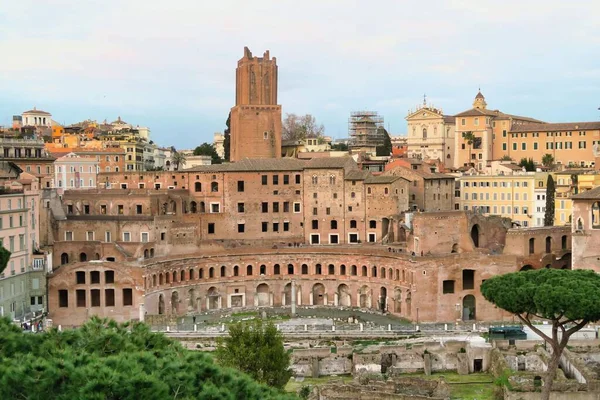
(479, 101)
(256, 116)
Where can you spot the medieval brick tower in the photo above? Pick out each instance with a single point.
(256, 117)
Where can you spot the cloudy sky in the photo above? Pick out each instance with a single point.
(170, 65)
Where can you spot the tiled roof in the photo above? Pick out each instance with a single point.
(474, 112)
(381, 179)
(356, 175)
(449, 119)
(36, 112)
(592, 194)
(561, 126)
(254, 164)
(330, 162)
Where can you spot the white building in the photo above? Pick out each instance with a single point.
(218, 142)
(37, 118)
(72, 171)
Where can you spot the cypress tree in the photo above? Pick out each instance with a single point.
(227, 138)
(550, 191)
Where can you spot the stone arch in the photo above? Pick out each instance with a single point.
(202, 207)
(64, 258)
(236, 270)
(262, 295)
(469, 309)
(174, 276)
(211, 273)
(548, 244)
(223, 271)
(263, 269)
(191, 297)
(364, 297)
(201, 273)
(167, 277)
(331, 269)
(342, 270)
(249, 270)
(161, 304)
(531, 245)
(182, 276)
(383, 299)
(154, 280)
(213, 298)
(475, 235)
(82, 257)
(96, 256)
(364, 270)
(382, 274)
(454, 248)
(287, 295)
(146, 253)
(191, 274)
(175, 302)
(353, 270)
(579, 224)
(526, 267)
(390, 274)
(374, 272)
(398, 300)
(304, 269)
(193, 207)
(319, 295)
(344, 297)
(290, 269)
(160, 279)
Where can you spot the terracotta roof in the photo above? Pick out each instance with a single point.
(255, 164)
(551, 127)
(475, 112)
(330, 162)
(36, 112)
(382, 179)
(479, 96)
(592, 194)
(449, 119)
(356, 175)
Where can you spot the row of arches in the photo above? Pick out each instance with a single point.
(157, 280)
(316, 294)
(564, 243)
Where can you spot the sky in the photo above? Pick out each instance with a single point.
(170, 65)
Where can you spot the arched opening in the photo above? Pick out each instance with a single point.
(262, 295)
(182, 276)
(364, 299)
(223, 271)
(454, 248)
(201, 273)
(287, 294)
(249, 270)
(191, 274)
(382, 273)
(424, 133)
(548, 244)
(353, 269)
(374, 272)
(290, 269)
(304, 269)
(408, 302)
(383, 299)
(595, 215)
(469, 308)
(193, 207)
(531, 245)
(342, 270)
(563, 242)
(96, 256)
(276, 269)
(318, 293)
(202, 207)
(263, 269)
(331, 269)
(174, 276)
(236, 270)
(160, 279)
(64, 258)
(146, 253)
(344, 298)
(197, 187)
(153, 280)
(475, 235)
(168, 277)
(548, 266)
(397, 274)
(161, 304)
(211, 272)
(151, 252)
(213, 298)
(526, 267)
(390, 274)
(82, 257)
(364, 270)
(579, 224)
(318, 269)
(398, 300)
(173, 206)
(191, 303)
(214, 187)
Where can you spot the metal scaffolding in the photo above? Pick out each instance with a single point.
(366, 129)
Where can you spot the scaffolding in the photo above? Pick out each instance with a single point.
(366, 129)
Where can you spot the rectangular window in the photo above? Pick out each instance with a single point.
(95, 277)
(296, 207)
(109, 276)
(286, 226)
(215, 207)
(127, 297)
(448, 287)
(211, 228)
(80, 297)
(315, 211)
(145, 237)
(240, 207)
(109, 297)
(286, 206)
(63, 298)
(138, 209)
(86, 209)
(275, 226)
(240, 186)
(286, 179)
(315, 224)
(514, 146)
(89, 235)
(265, 207)
(241, 228)
(264, 179)
(523, 146)
(80, 277)
(95, 295)
(275, 179)
(468, 276)
(68, 236)
(275, 207)
(504, 146)
(126, 236)
(298, 179)
(265, 226)
(535, 145)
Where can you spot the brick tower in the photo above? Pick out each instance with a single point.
(256, 117)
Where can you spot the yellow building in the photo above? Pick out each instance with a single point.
(569, 183)
(519, 196)
(483, 135)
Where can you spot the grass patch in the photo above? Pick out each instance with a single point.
(477, 386)
(293, 386)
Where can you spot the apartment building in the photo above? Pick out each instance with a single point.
(23, 282)
(511, 196)
(76, 172)
(569, 183)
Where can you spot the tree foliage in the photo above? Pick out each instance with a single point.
(550, 192)
(256, 348)
(528, 164)
(569, 300)
(386, 148)
(469, 137)
(4, 257)
(227, 139)
(506, 157)
(547, 160)
(298, 127)
(339, 147)
(208, 149)
(106, 360)
(178, 160)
